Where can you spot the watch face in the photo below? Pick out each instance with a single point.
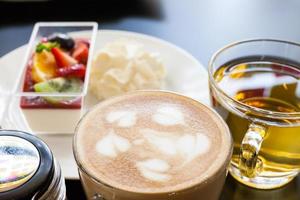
(19, 160)
(26, 165)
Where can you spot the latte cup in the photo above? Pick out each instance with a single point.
(150, 145)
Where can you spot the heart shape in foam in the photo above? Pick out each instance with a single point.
(154, 169)
(188, 145)
(111, 145)
(192, 146)
(168, 115)
(123, 118)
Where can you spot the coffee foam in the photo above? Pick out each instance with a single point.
(154, 169)
(112, 144)
(164, 143)
(190, 145)
(124, 118)
(168, 115)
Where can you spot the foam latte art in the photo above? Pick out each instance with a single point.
(111, 144)
(188, 145)
(154, 169)
(168, 115)
(148, 142)
(123, 118)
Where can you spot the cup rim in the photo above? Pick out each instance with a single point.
(240, 105)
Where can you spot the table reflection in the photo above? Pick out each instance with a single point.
(233, 190)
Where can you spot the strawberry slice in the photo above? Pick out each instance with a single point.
(81, 52)
(62, 58)
(77, 70)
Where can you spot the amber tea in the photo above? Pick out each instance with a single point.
(269, 85)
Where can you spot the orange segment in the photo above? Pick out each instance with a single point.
(44, 66)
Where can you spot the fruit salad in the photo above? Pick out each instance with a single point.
(58, 65)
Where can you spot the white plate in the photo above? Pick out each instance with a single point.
(185, 75)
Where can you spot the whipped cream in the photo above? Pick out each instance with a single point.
(123, 66)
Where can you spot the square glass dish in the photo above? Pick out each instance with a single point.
(50, 86)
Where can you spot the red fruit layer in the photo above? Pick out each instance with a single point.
(81, 52)
(63, 59)
(28, 82)
(39, 102)
(82, 40)
(77, 70)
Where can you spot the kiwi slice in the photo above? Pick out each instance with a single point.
(59, 85)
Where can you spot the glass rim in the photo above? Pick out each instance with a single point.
(243, 106)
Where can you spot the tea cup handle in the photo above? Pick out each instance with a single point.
(248, 161)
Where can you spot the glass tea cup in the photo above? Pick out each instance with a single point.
(255, 87)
